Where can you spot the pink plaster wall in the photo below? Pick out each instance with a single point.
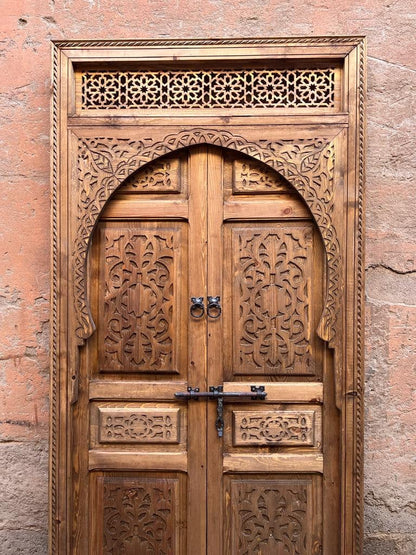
(26, 28)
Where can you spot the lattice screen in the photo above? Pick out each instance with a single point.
(207, 89)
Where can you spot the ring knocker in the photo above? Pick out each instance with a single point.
(197, 308)
(214, 307)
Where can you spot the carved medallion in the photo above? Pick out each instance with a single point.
(132, 425)
(277, 427)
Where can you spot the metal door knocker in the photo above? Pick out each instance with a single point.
(214, 307)
(197, 308)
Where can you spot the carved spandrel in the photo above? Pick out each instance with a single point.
(162, 176)
(139, 515)
(138, 425)
(272, 300)
(270, 517)
(277, 427)
(252, 177)
(137, 301)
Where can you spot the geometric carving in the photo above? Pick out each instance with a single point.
(209, 88)
(162, 176)
(270, 517)
(251, 177)
(277, 427)
(120, 425)
(139, 515)
(307, 164)
(272, 289)
(137, 299)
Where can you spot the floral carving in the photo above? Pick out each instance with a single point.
(272, 300)
(139, 516)
(104, 163)
(137, 300)
(269, 517)
(252, 177)
(162, 176)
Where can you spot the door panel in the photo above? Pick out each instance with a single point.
(157, 475)
(272, 516)
(272, 304)
(142, 316)
(146, 466)
(265, 479)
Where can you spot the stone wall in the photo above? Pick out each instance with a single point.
(26, 27)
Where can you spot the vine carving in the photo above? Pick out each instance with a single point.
(136, 334)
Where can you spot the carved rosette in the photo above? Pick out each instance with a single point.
(307, 164)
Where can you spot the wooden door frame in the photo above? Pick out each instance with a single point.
(72, 226)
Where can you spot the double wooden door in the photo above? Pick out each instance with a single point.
(155, 472)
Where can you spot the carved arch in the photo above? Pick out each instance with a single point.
(307, 164)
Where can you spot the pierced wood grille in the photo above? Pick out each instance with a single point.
(204, 89)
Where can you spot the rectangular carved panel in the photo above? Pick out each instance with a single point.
(161, 176)
(140, 303)
(272, 299)
(271, 517)
(136, 425)
(252, 177)
(139, 515)
(274, 427)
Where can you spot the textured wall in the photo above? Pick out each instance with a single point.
(26, 27)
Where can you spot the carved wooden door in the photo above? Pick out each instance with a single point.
(166, 475)
(230, 172)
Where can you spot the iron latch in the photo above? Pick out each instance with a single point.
(256, 393)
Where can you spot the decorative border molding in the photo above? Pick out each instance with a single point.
(104, 163)
(53, 432)
(353, 40)
(360, 273)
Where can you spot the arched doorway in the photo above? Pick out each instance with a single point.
(206, 270)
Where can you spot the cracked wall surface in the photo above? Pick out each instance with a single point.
(26, 26)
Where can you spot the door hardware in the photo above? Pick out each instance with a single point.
(214, 307)
(256, 393)
(197, 308)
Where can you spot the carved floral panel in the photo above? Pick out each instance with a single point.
(132, 425)
(270, 517)
(276, 427)
(138, 300)
(252, 177)
(139, 515)
(272, 300)
(162, 176)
